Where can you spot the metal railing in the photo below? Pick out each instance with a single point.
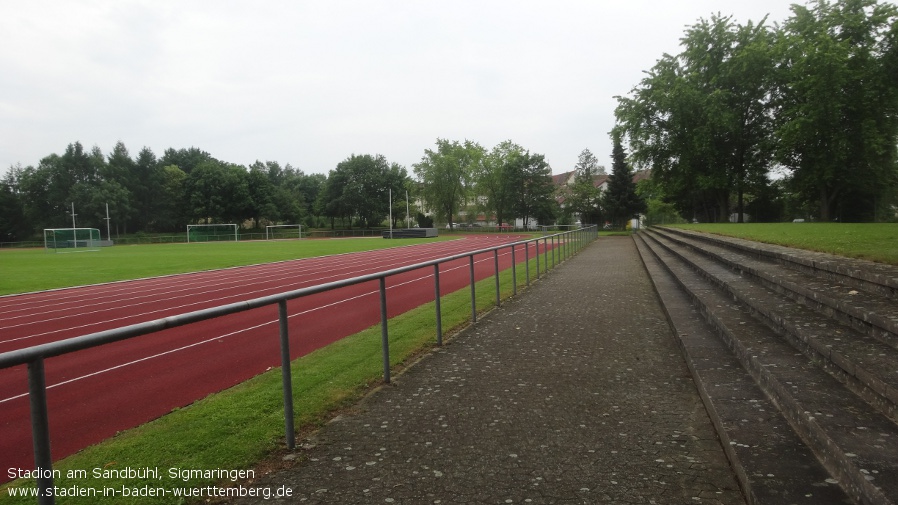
(563, 245)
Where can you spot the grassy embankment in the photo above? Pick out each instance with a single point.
(874, 242)
(243, 426)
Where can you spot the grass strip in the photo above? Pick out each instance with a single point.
(240, 427)
(869, 241)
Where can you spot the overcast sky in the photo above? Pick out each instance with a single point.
(310, 83)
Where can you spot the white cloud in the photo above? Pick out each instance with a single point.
(309, 83)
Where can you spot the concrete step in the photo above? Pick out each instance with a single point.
(866, 365)
(863, 275)
(865, 306)
(854, 441)
(773, 465)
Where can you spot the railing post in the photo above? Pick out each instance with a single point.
(384, 336)
(553, 251)
(536, 244)
(514, 273)
(496, 263)
(527, 260)
(564, 246)
(40, 431)
(552, 254)
(473, 291)
(436, 301)
(286, 376)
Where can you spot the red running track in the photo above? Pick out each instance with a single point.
(94, 393)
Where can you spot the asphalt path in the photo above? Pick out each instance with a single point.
(93, 394)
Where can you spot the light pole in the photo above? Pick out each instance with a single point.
(74, 232)
(108, 234)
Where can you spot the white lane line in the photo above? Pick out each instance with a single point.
(241, 295)
(323, 267)
(178, 349)
(194, 289)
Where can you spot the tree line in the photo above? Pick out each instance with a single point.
(814, 100)
(150, 194)
(509, 183)
(453, 182)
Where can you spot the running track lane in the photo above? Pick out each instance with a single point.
(92, 392)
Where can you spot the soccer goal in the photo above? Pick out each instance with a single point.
(283, 231)
(211, 232)
(72, 239)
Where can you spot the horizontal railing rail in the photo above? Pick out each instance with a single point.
(563, 245)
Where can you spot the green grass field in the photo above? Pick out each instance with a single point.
(25, 270)
(874, 242)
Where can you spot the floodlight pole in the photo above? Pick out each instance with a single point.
(74, 230)
(408, 223)
(108, 234)
(391, 213)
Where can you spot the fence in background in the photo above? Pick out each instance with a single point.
(306, 233)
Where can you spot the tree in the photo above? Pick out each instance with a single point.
(288, 203)
(620, 200)
(185, 159)
(398, 183)
(446, 176)
(583, 197)
(837, 99)
(359, 188)
(364, 194)
(261, 194)
(13, 226)
(308, 187)
(495, 180)
(218, 192)
(330, 200)
(174, 213)
(236, 192)
(658, 211)
(532, 178)
(121, 170)
(92, 200)
(147, 195)
(35, 188)
(700, 120)
(79, 166)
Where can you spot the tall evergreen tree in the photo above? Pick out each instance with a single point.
(13, 226)
(148, 194)
(620, 200)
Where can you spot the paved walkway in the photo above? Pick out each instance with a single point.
(574, 392)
